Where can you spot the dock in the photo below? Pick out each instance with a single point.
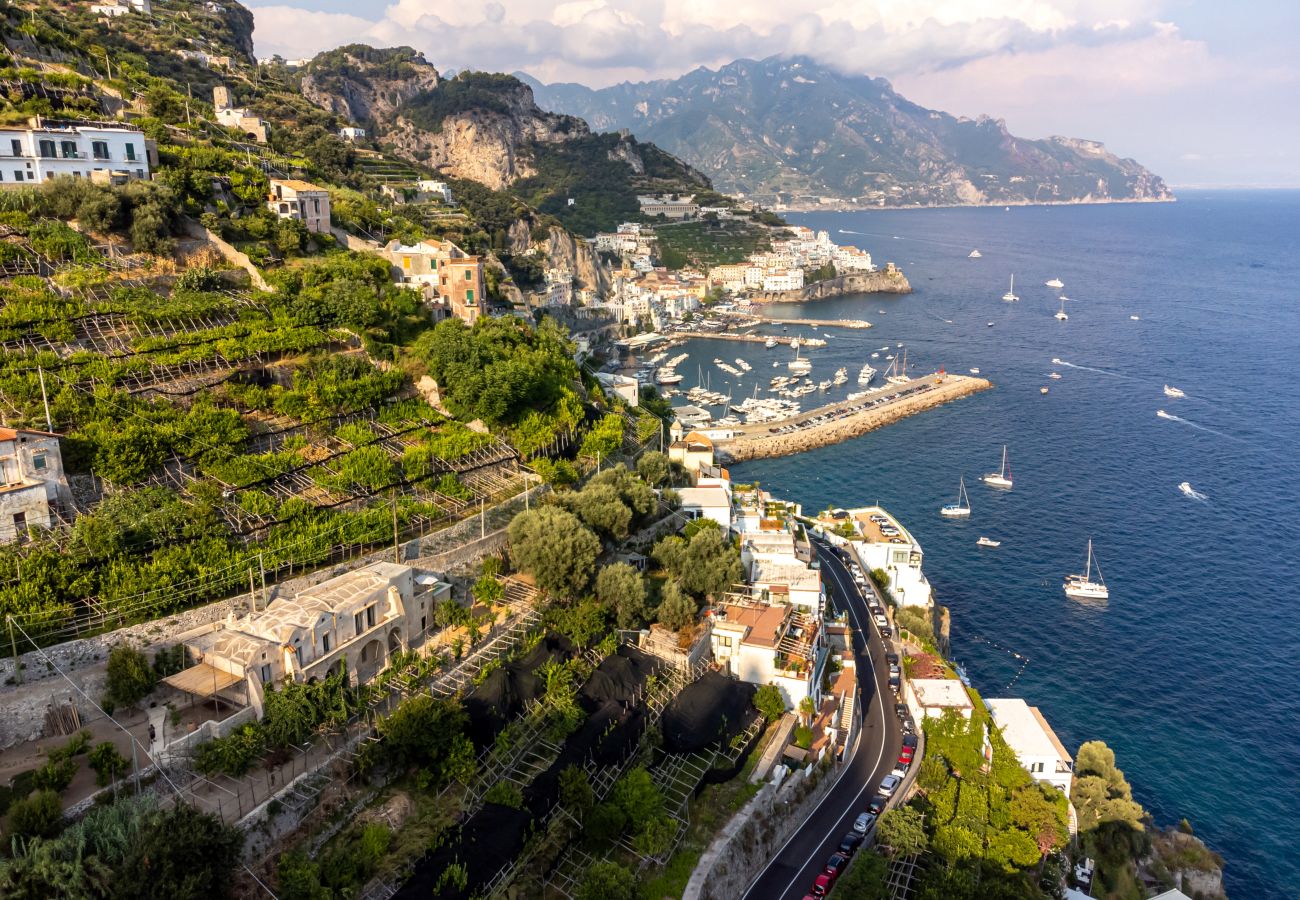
(784, 339)
(846, 419)
(806, 323)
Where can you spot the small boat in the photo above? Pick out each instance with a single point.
(1082, 587)
(1055, 283)
(987, 542)
(1042, 390)
(1057, 362)
(1010, 295)
(1189, 491)
(769, 343)
(1055, 376)
(1173, 392)
(667, 376)
(775, 363)
(961, 507)
(974, 254)
(1002, 477)
(875, 356)
(975, 371)
(1135, 318)
(1060, 313)
(990, 324)
(798, 365)
(1162, 414)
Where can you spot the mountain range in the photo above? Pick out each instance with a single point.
(791, 132)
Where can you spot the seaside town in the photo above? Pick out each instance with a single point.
(364, 532)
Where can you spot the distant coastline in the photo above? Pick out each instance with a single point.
(845, 206)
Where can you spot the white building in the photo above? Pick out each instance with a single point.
(883, 543)
(710, 500)
(352, 133)
(254, 128)
(770, 644)
(1033, 741)
(625, 387)
(669, 208)
(783, 280)
(930, 698)
(48, 148)
(32, 484)
(301, 200)
(428, 189)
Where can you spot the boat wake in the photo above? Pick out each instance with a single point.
(1061, 362)
(1191, 492)
(1180, 420)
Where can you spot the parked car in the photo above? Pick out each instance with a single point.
(850, 843)
(835, 865)
(895, 684)
(909, 740)
(877, 805)
(881, 620)
(889, 784)
(908, 726)
(886, 631)
(822, 886)
(900, 710)
(862, 824)
(891, 658)
(904, 759)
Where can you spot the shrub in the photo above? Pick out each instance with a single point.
(803, 737)
(55, 775)
(39, 815)
(130, 677)
(769, 702)
(505, 793)
(109, 765)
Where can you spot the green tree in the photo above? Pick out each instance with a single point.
(676, 609)
(605, 823)
(607, 881)
(130, 677)
(705, 565)
(768, 701)
(108, 763)
(621, 587)
(807, 709)
(865, 879)
(180, 852)
(654, 468)
(638, 796)
(902, 829)
(556, 548)
(488, 590)
(575, 791)
(601, 509)
(38, 815)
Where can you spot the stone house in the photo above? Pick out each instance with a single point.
(450, 278)
(32, 483)
(294, 199)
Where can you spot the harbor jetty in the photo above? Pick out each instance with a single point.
(750, 338)
(750, 318)
(847, 419)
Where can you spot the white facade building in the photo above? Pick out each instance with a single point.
(770, 644)
(433, 190)
(32, 483)
(49, 148)
(783, 280)
(883, 543)
(1033, 741)
(352, 133)
(930, 698)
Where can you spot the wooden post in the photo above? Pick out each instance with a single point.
(13, 645)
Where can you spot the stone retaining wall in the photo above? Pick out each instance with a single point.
(757, 832)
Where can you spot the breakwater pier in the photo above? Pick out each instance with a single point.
(848, 419)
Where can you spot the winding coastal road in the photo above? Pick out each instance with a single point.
(790, 874)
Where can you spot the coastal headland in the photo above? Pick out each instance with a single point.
(889, 280)
(842, 421)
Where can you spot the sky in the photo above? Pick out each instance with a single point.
(1203, 93)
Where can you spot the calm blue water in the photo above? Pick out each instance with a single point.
(1191, 671)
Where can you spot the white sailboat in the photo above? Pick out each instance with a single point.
(1055, 283)
(961, 507)
(798, 365)
(899, 368)
(1060, 313)
(1010, 295)
(1082, 587)
(1002, 477)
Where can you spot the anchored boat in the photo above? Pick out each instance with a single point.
(1082, 587)
(961, 507)
(1002, 477)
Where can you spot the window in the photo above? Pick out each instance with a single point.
(315, 205)
(16, 146)
(406, 263)
(469, 276)
(900, 556)
(38, 461)
(370, 616)
(47, 148)
(68, 149)
(469, 296)
(18, 174)
(100, 149)
(325, 642)
(358, 623)
(130, 152)
(266, 674)
(20, 522)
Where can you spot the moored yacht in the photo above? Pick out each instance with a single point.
(1082, 587)
(1055, 283)
(987, 542)
(961, 507)
(1010, 295)
(1174, 392)
(1060, 313)
(974, 254)
(1002, 477)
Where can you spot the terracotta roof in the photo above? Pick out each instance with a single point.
(762, 624)
(9, 434)
(297, 184)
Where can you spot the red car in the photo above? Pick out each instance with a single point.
(904, 760)
(822, 886)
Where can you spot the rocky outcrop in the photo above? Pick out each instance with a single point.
(365, 85)
(1181, 859)
(886, 281)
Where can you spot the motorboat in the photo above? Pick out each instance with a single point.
(975, 371)
(1174, 392)
(1042, 390)
(841, 376)
(961, 507)
(1082, 587)
(1010, 295)
(667, 376)
(990, 324)
(868, 372)
(1055, 376)
(1135, 318)
(987, 542)
(974, 254)
(1055, 283)
(1002, 477)
(769, 343)
(1162, 414)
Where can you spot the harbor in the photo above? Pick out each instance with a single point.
(767, 339)
(841, 421)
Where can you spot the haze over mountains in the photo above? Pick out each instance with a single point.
(791, 132)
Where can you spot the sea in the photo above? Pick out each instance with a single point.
(1191, 670)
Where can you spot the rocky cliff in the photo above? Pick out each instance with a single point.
(886, 281)
(365, 85)
(791, 131)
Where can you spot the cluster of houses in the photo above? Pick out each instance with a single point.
(782, 267)
(114, 8)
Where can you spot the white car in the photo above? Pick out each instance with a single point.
(890, 784)
(881, 621)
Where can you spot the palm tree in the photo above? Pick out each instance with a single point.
(808, 709)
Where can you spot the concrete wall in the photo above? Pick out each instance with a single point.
(228, 252)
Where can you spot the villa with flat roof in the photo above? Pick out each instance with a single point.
(1033, 741)
(883, 543)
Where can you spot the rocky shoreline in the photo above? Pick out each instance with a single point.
(764, 445)
(889, 280)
